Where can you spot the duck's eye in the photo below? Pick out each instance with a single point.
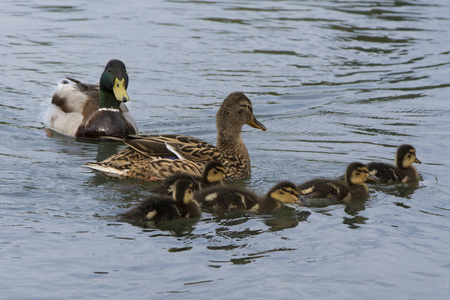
(109, 71)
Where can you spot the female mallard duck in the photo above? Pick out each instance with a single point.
(213, 174)
(152, 157)
(160, 208)
(92, 111)
(403, 171)
(352, 188)
(232, 198)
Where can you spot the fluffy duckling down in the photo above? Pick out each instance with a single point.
(213, 174)
(353, 187)
(402, 171)
(159, 208)
(232, 198)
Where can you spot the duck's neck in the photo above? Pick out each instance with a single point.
(230, 140)
(269, 204)
(108, 100)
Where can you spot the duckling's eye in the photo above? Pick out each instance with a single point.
(289, 191)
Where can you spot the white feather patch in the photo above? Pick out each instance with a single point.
(211, 197)
(174, 151)
(307, 191)
(254, 207)
(64, 123)
(151, 215)
(75, 100)
(243, 200)
(112, 172)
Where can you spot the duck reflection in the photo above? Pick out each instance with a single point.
(286, 217)
(177, 228)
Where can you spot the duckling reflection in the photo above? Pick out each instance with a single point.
(213, 174)
(403, 171)
(160, 208)
(331, 191)
(232, 198)
(286, 217)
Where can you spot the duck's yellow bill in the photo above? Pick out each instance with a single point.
(256, 124)
(120, 91)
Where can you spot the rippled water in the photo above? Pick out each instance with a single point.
(333, 81)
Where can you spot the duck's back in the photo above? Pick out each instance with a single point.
(324, 188)
(226, 198)
(154, 209)
(166, 186)
(384, 172)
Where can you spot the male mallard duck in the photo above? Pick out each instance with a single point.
(214, 173)
(89, 111)
(232, 198)
(351, 189)
(160, 208)
(151, 157)
(403, 171)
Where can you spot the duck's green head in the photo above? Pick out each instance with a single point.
(114, 80)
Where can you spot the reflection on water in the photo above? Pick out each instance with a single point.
(401, 190)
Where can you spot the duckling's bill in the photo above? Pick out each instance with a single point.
(302, 202)
(256, 124)
(120, 90)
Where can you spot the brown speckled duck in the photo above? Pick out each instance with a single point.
(151, 157)
(213, 174)
(92, 111)
(232, 198)
(352, 188)
(403, 171)
(159, 208)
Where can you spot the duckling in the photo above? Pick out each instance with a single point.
(351, 189)
(152, 157)
(403, 171)
(214, 173)
(160, 208)
(92, 111)
(232, 198)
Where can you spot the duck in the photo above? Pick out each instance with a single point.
(402, 171)
(233, 198)
(214, 173)
(155, 157)
(352, 188)
(159, 208)
(92, 111)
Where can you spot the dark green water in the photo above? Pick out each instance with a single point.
(333, 81)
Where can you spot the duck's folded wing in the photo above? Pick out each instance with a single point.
(167, 146)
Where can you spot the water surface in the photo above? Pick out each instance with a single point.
(333, 81)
